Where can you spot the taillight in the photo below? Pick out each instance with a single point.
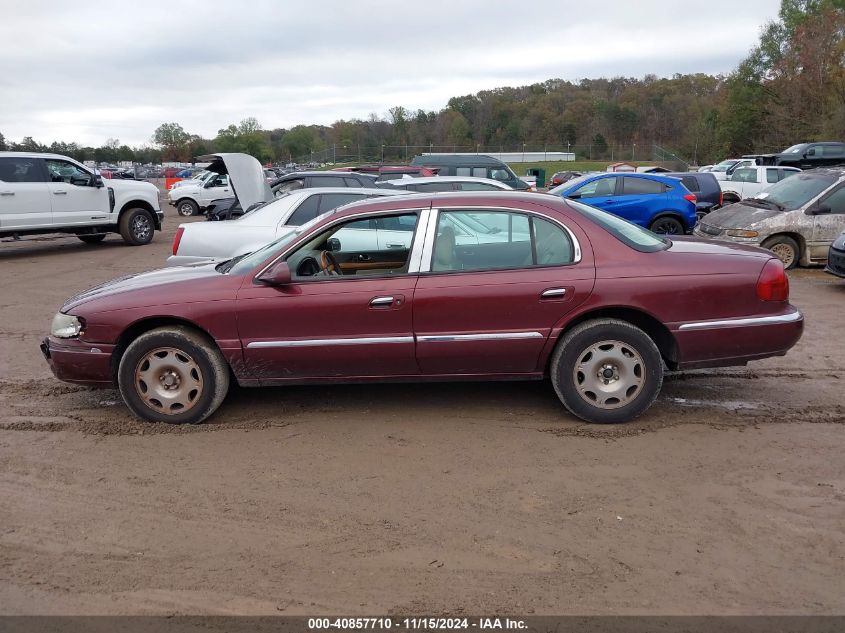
(691, 197)
(773, 284)
(721, 198)
(177, 238)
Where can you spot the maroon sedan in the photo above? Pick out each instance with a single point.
(433, 287)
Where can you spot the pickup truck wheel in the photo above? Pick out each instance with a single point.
(187, 208)
(92, 239)
(667, 225)
(174, 375)
(785, 248)
(136, 227)
(607, 371)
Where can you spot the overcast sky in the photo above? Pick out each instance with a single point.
(86, 71)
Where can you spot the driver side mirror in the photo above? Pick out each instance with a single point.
(333, 245)
(276, 275)
(574, 196)
(821, 209)
(96, 181)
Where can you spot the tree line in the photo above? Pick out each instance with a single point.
(789, 89)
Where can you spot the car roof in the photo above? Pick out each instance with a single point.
(836, 172)
(425, 179)
(40, 155)
(454, 159)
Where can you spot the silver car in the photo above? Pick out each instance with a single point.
(797, 218)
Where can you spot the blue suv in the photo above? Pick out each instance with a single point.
(659, 203)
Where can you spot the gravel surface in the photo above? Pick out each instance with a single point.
(728, 496)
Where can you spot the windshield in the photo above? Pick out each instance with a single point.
(725, 165)
(794, 149)
(796, 191)
(634, 236)
(244, 263)
(570, 184)
(262, 205)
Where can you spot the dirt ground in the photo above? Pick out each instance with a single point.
(727, 497)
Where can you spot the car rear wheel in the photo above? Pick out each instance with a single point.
(92, 239)
(607, 371)
(785, 248)
(174, 375)
(137, 227)
(667, 225)
(187, 208)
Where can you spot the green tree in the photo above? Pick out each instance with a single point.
(173, 140)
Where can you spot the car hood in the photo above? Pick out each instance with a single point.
(160, 280)
(246, 176)
(118, 184)
(738, 215)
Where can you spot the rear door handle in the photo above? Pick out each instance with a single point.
(7, 193)
(60, 193)
(381, 302)
(389, 245)
(553, 293)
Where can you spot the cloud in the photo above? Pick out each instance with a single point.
(89, 72)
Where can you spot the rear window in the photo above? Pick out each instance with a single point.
(634, 236)
(691, 183)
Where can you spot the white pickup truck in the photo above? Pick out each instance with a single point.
(49, 193)
(746, 182)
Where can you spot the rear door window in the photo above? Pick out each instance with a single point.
(431, 187)
(479, 172)
(772, 175)
(19, 169)
(306, 211)
(463, 171)
(328, 181)
(351, 182)
(641, 186)
(329, 201)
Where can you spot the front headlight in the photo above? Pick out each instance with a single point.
(66, 326)
(741, 233)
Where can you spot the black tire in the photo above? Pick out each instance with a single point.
(785, 248)
(201, 368)
(92, 239)
(137, 227)
(187, 207)
(574, 352)
(667, 225)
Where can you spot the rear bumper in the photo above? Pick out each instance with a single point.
(728, 342)
(79, 362)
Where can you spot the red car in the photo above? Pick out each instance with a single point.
(453, 286)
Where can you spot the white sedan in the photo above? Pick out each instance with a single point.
(201, 241)
(432, 184)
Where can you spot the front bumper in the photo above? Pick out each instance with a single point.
(835, 262)
(78, 362)
(723, 236)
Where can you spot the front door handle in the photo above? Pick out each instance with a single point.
(553, 293)
(389, 245)
(60, 193)
(7, 193)
(381, 302)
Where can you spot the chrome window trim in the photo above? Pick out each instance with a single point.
(743, 322)
(497, 336)
(372, 340)
(431, 233)
(298, 242)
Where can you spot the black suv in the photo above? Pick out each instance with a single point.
(805, 155)
(708, 193)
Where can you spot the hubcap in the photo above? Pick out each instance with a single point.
(784, 253)
(666, 228)
(168, 381)
(141, 227)
(186, 209)
(609, 374)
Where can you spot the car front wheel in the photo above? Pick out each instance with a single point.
(785, 248)
(187, 208)
(137, 227)
(173, 374)
(607, 371)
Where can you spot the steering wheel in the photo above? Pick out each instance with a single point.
(329, 264)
